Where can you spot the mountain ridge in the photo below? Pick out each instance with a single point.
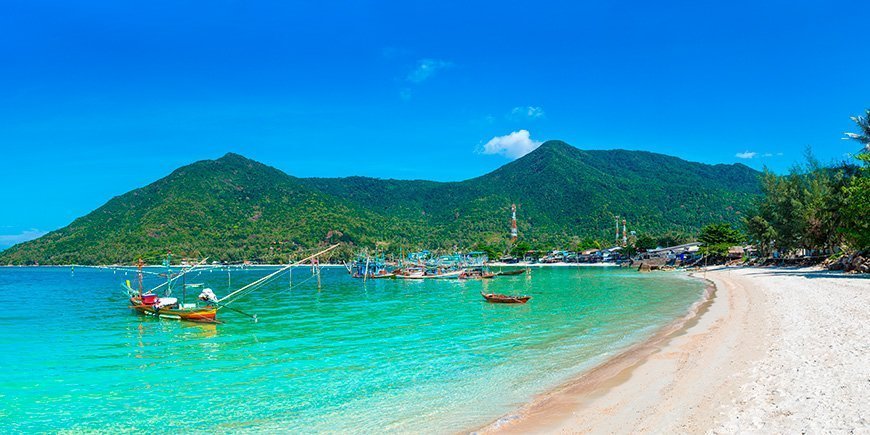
(233, 208)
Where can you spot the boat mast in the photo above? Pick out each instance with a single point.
(183, 288)
(168, 273)
(139, 268)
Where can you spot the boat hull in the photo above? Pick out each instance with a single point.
(201, 315)
(511, 272)
(383, 276)
(449, 275)
(505, 299)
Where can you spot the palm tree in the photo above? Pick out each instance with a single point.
(863, 123)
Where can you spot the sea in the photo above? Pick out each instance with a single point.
(328, 353)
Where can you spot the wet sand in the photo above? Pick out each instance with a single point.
(770, 350)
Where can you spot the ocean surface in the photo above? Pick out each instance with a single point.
(341, 356)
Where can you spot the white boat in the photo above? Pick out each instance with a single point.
(419, 273)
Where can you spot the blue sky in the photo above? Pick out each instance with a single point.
(98, 98)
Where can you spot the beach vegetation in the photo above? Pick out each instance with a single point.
(717, 238)
(817, 208)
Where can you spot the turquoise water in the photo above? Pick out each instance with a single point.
(400, 356)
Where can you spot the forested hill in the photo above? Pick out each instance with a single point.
(234, 208)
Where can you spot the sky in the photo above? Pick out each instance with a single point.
(98, 98)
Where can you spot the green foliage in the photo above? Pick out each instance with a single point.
(863, 134)
(717, 238)
(761, 234)
(816, 206)
(856, 207)
(234, 209)
(646, 242)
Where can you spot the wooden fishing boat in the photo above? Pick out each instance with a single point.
(504, 299)
(410, 273)
(425, 275)
(510, 272)
(476, 273)
(368, 267)
(385, 275)
(444, 275)
(207, 305)
(168, 308)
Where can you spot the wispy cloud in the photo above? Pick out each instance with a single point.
(426, 68)
(746, 155)
(771, 155)
(513, 145)
(7, 240)
(528, 112)
(405, 94)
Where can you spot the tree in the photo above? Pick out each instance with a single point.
(760, 233)
(645, 242)
(856, 207)
(856, 190)
(717, 238)
(863, 135)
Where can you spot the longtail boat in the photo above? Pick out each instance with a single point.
(478, 272)
(206, 308)
(367, 267)
(193, 314)
(167, 307)
(419, 273)
(510, 272)
(504, 299)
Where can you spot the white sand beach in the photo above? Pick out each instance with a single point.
(774, 351)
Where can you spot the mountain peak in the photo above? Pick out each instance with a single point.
(233, 157)
(555, 144)
(553, 148)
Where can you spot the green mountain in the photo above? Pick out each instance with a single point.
(234, 208)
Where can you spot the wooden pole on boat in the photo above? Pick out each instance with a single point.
(181, 273)
(366, 272)
(139, 267)
(269, 276)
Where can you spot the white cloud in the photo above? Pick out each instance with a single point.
(530, 112)
(746, 155)
(7, 240)
(426, 68)
(514, 145)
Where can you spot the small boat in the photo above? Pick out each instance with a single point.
(412, 272)
(169, 308)
(510, 272)
(416, 273)
(476, 273)
(368, 267)
(504, 299)
(383, 275)
(205, 310)
(443, 275)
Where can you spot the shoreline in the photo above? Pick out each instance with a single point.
(773, 350)
(561, 400)
(506, 265)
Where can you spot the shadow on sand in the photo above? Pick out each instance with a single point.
(798, 271)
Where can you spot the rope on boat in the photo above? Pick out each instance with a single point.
(252, 316)
(180, 274)
(236, 295)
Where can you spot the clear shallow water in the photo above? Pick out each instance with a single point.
(401, 356)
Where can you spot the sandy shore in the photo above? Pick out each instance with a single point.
(773, 351)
